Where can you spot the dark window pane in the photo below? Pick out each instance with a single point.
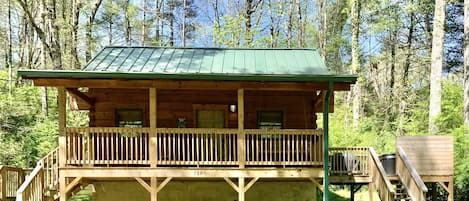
(270, 119)
(129, 118)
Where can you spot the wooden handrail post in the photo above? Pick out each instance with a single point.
(62, 105)
(3, 189)
(153, 123)
(241, 134)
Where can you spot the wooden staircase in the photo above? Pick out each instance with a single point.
(409, 186)
(401, 193)
(42, 183)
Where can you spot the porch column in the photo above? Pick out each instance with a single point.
(62, 105)
(153, 121)
(329, 92)
(241, 135)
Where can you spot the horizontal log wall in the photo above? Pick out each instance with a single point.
(297, 107)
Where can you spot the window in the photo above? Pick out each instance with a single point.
(210, 118)
(130, 118)
(270, 119)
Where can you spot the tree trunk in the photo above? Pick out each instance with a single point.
(436, 64)
(75, 21)
(183, 32)
(109, 32)
(322, 36)
(171, 23)
(127, 28)
(356, 89)
(300, 24)
(144, 23)
(248, 15)
(89, 29)
(55, 50)
(466, 63)
(157, 21)
(271, 25)
(8, 55)
(44, 102)
(405, 77)
(290, 25)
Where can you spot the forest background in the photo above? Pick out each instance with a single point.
(408, 54)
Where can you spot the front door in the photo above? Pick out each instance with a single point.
(210, 118)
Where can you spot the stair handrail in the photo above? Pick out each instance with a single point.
(50, 166)
(44, 176)
(409, 177)
(379, 178)
(33, 186)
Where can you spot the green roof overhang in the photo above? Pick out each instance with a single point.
(29, 74)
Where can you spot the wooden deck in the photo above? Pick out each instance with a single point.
(348, 165)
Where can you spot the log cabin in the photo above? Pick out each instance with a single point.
(209, 124)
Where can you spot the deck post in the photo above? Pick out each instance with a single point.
(153, 122)
(62, 188)
(370, 191)
(3, 190)
(241, 190)
(154, 189)
(241, 135)
(62, 105)
(451, 189)
(329, 92)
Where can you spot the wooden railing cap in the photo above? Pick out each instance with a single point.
(413, 172)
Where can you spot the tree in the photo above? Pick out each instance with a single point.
(89, 28)
(356, 90)
(436, 64)
(51, 38)
(466, 63)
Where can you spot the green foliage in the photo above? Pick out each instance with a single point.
(228, 33)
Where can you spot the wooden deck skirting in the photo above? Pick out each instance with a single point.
(112, 146)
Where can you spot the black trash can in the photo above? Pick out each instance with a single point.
(389, 164)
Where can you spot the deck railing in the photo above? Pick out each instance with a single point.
(349, 161)
(284, 147)
(193, 147)
(379, 179)
(10, 180)
(185, 146)
(107, 146)
(409, 176)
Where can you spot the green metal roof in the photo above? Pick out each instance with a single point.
(201, 63)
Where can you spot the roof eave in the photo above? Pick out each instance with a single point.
(31, 74)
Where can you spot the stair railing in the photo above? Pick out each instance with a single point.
(43, 177)
(409, 177)
(10, 179)
(33, 187)
(379, 179)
